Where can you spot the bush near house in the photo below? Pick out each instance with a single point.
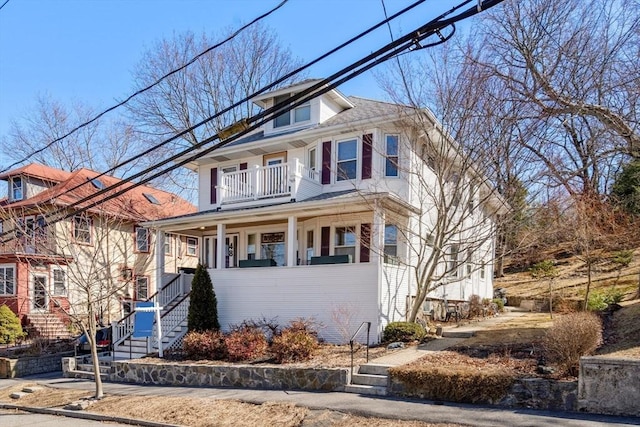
(403, 331)
(10, 328)
(245, 344)
(204, 345)
(294, 346)
(571, 336)
(203, 305)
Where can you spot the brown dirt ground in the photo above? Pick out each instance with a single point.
(201, 412)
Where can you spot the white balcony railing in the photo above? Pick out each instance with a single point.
(268, 182)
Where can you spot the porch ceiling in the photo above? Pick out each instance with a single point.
(350, 203)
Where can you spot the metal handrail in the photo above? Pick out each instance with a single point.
(126, 323)
(353, 337)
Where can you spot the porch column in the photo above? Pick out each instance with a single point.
(220, 255)
(377, 234)
(292, 241)
(160, 261)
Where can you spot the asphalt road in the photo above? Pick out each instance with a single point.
(392, 408)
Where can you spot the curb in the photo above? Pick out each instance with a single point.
(86, 416)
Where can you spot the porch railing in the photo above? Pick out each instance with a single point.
(171, 320)
(263, 182)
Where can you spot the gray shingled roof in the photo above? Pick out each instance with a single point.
(364, 109)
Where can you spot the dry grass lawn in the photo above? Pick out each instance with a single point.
(201, 412)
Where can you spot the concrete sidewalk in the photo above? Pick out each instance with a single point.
(452, 335)
(390, 408)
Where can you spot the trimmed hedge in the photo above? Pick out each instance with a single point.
(403, 331)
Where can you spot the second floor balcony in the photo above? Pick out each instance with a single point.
(261, 185)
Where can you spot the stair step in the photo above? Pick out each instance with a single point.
(458, 334)
(89, 368)
(369, 390)
(374, 369)
(86, 375)
(368, 379)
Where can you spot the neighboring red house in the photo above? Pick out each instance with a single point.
(45, 263)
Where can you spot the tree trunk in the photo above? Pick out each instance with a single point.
(586, 294)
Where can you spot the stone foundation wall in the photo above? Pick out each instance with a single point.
(11, 368)
(609, 386)
(538, 393)
(245, 376)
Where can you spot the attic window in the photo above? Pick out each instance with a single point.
(151, 198)
(96, 183)
(301, 113)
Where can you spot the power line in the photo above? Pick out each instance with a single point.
(381, 55)
(138, 92)
(7, 1)
(247, 98)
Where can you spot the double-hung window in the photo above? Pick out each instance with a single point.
(59, 282)
(7, 280)
(82, 229)
(142, 288)
(142, 239)
(17, 191)
(345, 242)
(192, 246)
(391, 156)
(347, 160)
(453, 261)
(390, 244)
(168, 243)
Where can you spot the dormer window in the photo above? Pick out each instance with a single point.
(17, 191)
(151, 198)
(299, 114)
(97, 184)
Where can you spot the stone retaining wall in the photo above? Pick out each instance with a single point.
(243, 376)
(11, 368)
(535, 393)
(609, 386)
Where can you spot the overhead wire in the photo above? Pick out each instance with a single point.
(225, 110)
(3, 4)
(381, 55)
(150, 86)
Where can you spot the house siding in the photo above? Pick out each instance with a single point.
(293, 292)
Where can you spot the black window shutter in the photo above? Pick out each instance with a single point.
(325, 240)
(367, 155)
(214, 184)
(365, 242)
(326, 162)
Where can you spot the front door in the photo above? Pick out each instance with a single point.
(210, 253)
(40, 300)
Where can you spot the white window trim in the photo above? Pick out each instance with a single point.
(84, 220)
(64, 283)
(148, 240)
(6, 267)
(292, 113)
(356, 231)
(190, 245)
(12, 190)
(168, 244)
(358, 160)
(137, 294)
(386, 156)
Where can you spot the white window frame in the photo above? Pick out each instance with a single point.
(312, 158)
(147, 240)
(390, 258)
(15, 188)
(355, 159)
(291, 115)
(87, 229)
(395, 158)
(355, 246)
(168, 244)
(192, 246)
(4, 281)
(137, 284)
(453, 260)
(59, 286)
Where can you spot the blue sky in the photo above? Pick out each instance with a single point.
(86, 50)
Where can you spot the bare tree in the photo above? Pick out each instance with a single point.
(99, 146)
(227, 74)
(571, 68)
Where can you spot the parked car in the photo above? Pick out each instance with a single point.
(103, 341)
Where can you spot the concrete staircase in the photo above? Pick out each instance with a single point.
(371, 379)
(46, 325)
(84, 367)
